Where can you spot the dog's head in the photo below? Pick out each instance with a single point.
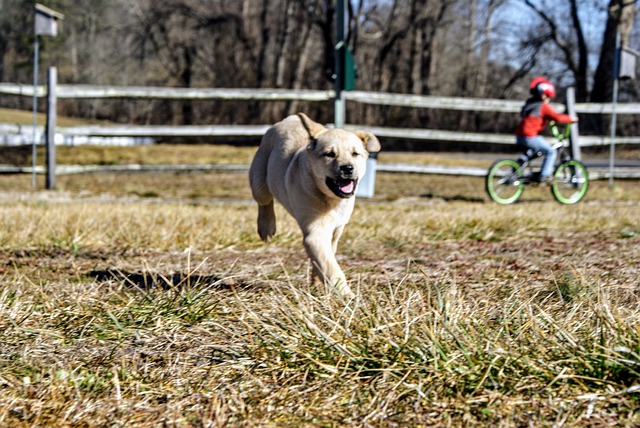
(338, 157)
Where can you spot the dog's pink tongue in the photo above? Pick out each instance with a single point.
(347, 187)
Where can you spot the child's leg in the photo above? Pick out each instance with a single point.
(538, 143)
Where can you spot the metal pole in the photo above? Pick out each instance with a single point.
(574, 137)
(52, 79)
(616, 68)
(339, 107)
(35, 112)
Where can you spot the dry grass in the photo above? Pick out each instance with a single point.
(24, 117)
(474, 315)
(148, 300)
(199, 185)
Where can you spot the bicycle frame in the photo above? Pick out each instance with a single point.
(507, 178)
(563, 154)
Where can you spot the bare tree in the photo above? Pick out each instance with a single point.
(304, 58)
(568, 41)
(407, 46)
(481, 88)
(16, 41)
(621, 14)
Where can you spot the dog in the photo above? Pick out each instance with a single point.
(313, 172)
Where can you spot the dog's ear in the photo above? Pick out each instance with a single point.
(370, 141)
(313, 128)
(312, 145)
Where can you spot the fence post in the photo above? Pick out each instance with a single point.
(574, 137)
(339, 102)
(52, 77)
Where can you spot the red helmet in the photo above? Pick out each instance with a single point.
(539, 85)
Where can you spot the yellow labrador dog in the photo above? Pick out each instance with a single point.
(313, 172)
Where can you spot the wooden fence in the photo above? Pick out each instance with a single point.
(77, 134)
(83, 134)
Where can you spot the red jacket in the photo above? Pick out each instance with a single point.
(535, 116)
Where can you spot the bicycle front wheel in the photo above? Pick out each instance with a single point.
(502, 182)
(570, 182)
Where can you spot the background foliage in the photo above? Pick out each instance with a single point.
(470, 48)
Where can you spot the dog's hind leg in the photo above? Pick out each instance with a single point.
(266, 221)
(266, 213)
(262, 195)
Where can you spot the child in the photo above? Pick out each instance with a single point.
(535, 115)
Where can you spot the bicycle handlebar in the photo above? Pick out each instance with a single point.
(560, 136)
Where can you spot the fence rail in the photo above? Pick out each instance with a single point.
(595, 173)
(266, 94)
(118, 134)
(83, 134)
(475, 104)
(154, 92)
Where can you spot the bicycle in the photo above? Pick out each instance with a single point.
(506, 179)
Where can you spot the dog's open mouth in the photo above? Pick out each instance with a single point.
(342, 187)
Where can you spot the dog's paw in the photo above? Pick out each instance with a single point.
(344, 291)
(266, 234)
(266, 228)
(266, 222)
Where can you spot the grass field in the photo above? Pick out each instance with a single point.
(148, 300)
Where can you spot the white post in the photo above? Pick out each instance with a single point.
(574, 136)
(616, 67)
(35, 112)
(52, 80)
(339, 107)
(45, 24)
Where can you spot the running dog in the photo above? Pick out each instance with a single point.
(313, 171)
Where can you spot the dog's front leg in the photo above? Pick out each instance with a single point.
(319, 247)
(336, 237)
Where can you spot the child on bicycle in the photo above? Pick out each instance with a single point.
(535, 115)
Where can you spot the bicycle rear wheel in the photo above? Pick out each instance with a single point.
(570, 182)
(502, 182)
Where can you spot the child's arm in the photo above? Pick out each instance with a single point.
(548, 113)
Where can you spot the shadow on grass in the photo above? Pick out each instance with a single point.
(148, 280)
(463, 198)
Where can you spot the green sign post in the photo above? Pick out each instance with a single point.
(350, 72)
(345, 66)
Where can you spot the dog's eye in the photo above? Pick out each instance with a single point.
(356, 154)
(329, 155)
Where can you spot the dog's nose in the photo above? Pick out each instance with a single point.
(346, 169)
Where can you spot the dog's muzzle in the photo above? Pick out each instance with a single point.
(344, 185)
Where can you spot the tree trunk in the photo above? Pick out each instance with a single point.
(621, 16)
(285, 50)
(431, 46)
(186, 77)
(482, 89)
(298, 75)
(417, 47)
